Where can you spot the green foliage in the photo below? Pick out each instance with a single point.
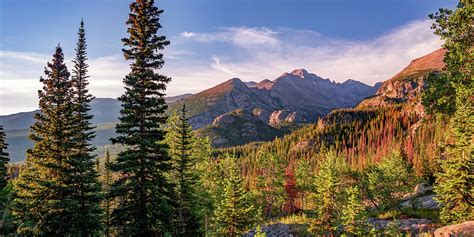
(3, 159)
(107, 202)
(143, 190)
(304, 180)
(87, 214)
(454, 184)
(439, 95)
(44, 198)
(270, 183)
(7, 222)
(329, 193)
(388, 181)
(353, 214)
(259, 232)
(180, 139)
(204, 199)
(235, 213)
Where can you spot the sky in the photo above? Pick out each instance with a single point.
(215, 40)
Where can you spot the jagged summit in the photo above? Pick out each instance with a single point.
(302, 73)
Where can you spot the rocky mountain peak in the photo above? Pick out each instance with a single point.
(301, 73)
(265, 84)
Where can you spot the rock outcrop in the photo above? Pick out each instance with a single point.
(413, 226)
(408, 84)
(463, 229)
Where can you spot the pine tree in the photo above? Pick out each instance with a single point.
(271, 183)
(328, 193)
(3, 159)
(233, 214)
(142, 187)
(210, 179)
(390, 180)
(83, 175)
(107, 202)
(43, 192)
(454, 184)
(290, 190)
(304, 180)
(353, 214)
(180, 139)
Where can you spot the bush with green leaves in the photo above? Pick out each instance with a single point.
(387, 182)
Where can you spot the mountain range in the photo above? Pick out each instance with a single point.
(237, 112)
(296, 97)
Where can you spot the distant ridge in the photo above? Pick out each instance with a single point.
(302, 95)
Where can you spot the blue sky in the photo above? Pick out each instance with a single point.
(214, 40)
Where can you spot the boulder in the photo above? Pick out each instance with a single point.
(427, 202)
(274, 230)
(462, 229)
(422, 189)
(413, 226)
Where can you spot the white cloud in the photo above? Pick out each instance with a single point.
(198, 61)
(187, 34)
(367, 61)
(217, 65)
(241, 36)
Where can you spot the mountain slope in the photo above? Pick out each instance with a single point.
(365, 134)
(296, 97)
(299, 94)
(105, 110)
(238, 127)
(407, 85)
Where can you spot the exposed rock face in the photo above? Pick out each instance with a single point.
(281, 117)
(426, 202)
(407, 85)
(413, 226)
(462, 229)
(293, 97)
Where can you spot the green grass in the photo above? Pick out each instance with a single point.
(421, 213)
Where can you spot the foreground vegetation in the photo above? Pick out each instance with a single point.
(330, 177)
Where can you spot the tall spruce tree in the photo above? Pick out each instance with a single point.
(43, 193)
(143, 187)
(180, 139)
(454, 184)
(3, 159)
(84, 176)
